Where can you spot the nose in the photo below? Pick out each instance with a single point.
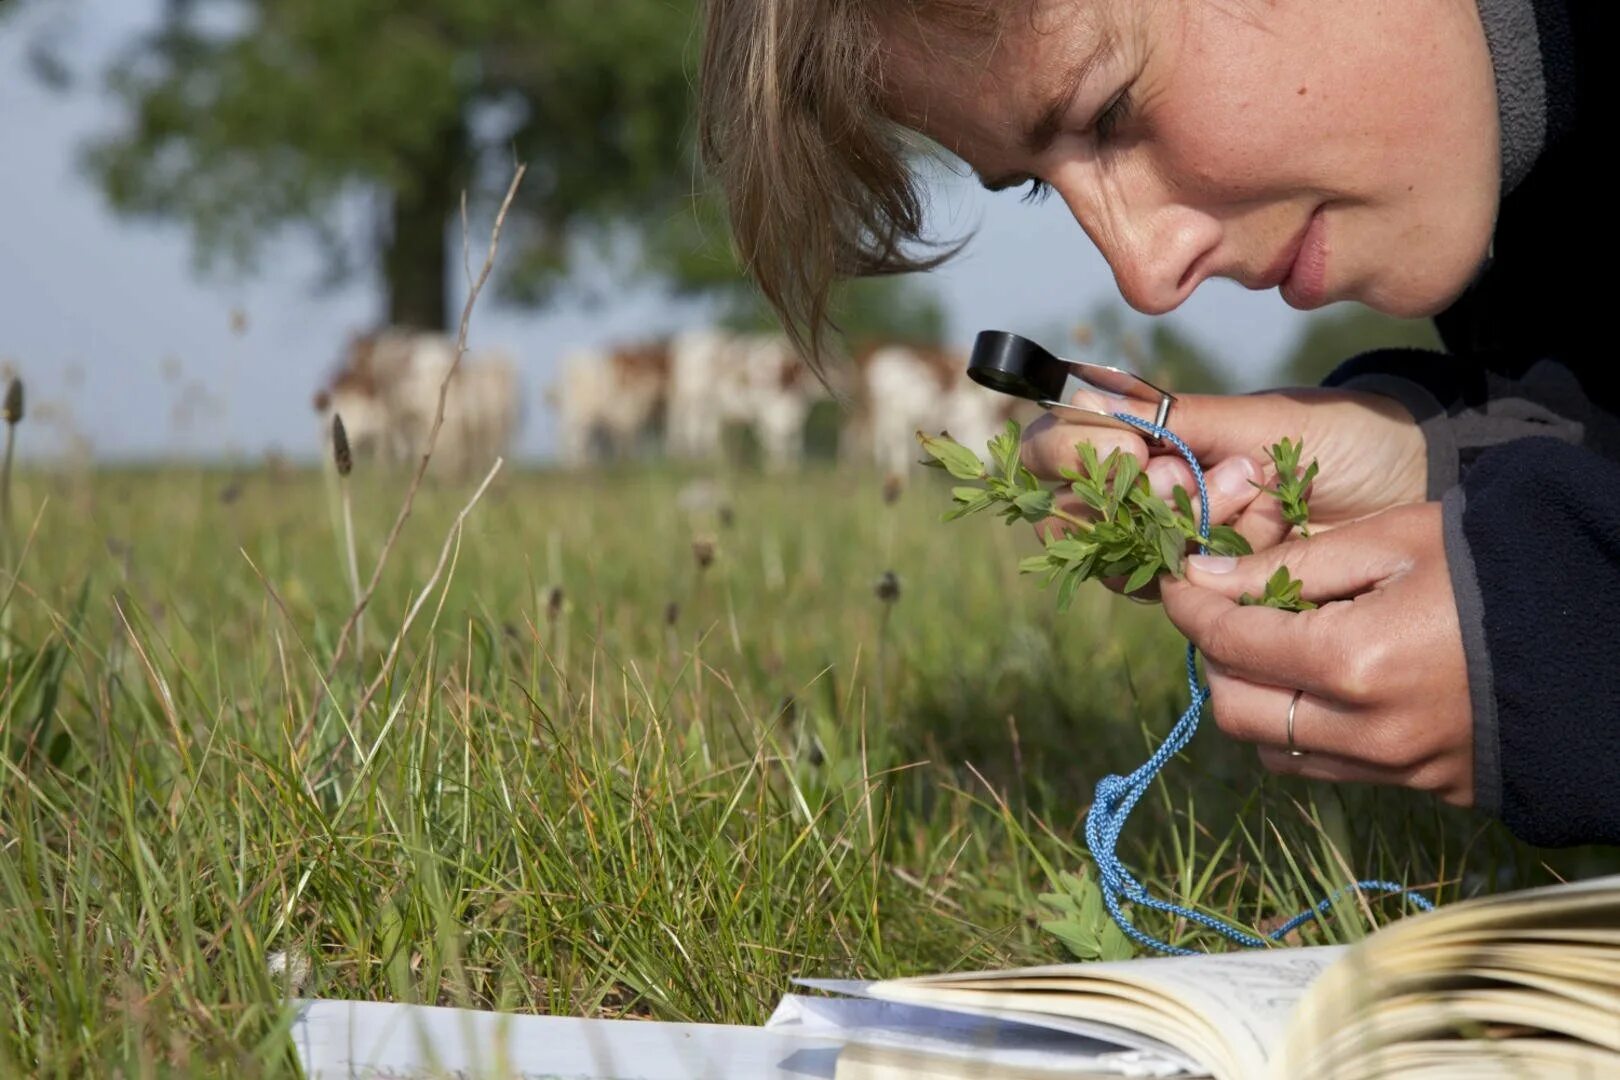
(1158, 248)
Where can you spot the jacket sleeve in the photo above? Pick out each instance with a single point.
(1467, 404)
(1533, 545)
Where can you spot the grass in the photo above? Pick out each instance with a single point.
(600, 780)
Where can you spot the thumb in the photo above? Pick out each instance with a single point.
(1330, 566)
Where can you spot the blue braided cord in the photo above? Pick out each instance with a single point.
(1118, 795)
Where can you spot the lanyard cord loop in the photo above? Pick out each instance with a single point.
(1118, 795)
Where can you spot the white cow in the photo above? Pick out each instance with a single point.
(906, 389)
(388, 394)
(607, 401)
(758, 380)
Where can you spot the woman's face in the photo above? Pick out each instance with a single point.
(1335, 149)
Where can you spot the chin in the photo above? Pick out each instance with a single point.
(1420, 295)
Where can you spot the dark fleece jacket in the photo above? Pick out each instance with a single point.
(1523, 430)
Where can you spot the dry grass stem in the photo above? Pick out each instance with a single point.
(341, 648)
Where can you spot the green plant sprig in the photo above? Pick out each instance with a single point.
(1282, 591)
(1292, 484)
(1133, 535)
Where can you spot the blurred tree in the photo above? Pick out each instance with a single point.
(249, 116)
(1331, 338)
(1156, 349)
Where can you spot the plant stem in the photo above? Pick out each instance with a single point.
(354, 566)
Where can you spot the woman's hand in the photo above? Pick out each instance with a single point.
(1386, 698)
(1372, 453)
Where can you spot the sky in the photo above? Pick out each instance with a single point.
(127, 350)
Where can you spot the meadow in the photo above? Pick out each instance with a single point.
(653, 746)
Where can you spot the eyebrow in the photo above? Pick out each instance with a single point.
(1039, 135)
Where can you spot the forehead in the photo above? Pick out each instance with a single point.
(972, 85)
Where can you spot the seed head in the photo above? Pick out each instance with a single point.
(555, 599)
(894, 485)
(728, 517)
(342, 456)
(672, 613)
(703, 549)
(887, 587)
(12, 412)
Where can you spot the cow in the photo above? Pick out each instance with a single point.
(608, 401)
(904, 389)
(760, 381)
(387, 391)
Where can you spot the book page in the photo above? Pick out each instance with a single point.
(992, 1045)
(1539, 960)
(364, 1040)
(1228, 1012)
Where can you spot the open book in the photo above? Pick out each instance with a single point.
(1521, 984)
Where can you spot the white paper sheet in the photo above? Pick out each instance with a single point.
(359, 1040)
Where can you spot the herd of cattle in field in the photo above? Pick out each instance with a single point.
(674, 396)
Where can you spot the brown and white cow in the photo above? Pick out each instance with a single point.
(909, 388)
(610, 401)
(387, 391)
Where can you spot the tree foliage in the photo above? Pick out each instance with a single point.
(246, 117)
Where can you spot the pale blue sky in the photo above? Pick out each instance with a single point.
(92, 309)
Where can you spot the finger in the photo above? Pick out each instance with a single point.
(1258, 713)
(1331, 566)
(1049, 445)
(1261, 644)
(1261, 522)
(1332, 768)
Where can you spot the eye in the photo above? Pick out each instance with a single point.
(1036, 191)
(1116, 113)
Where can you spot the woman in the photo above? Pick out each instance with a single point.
(1425, 157)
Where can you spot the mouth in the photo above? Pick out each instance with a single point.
(1283, 265)
(1304, 286)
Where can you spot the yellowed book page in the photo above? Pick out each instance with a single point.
(858, 1062)
(1450, 1059)
(1227, 1012)
(1482, 1021)
(1433, 949)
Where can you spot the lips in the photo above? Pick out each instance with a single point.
(1305, 286)
(1283, 265)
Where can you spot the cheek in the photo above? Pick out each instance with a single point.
(1227, 118)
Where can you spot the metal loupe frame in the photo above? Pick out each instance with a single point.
(1010, 364)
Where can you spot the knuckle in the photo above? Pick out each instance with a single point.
(1226, 704)
(1361, 670)
(1391, 746)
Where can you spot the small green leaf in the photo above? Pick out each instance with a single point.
(1144, 574)
(1225, 540)
(1034, 505)
(1183, 502)
(952, 456)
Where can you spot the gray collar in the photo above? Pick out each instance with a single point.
(1521, 85)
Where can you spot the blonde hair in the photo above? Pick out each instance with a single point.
(817, 179)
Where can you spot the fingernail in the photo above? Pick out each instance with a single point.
(1235, 477)
(1212, 564)
(1159, 485)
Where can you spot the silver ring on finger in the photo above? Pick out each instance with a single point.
(1294, 751)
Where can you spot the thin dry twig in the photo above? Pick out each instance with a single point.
(318, 693)
(450, 541)
(428, 587)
